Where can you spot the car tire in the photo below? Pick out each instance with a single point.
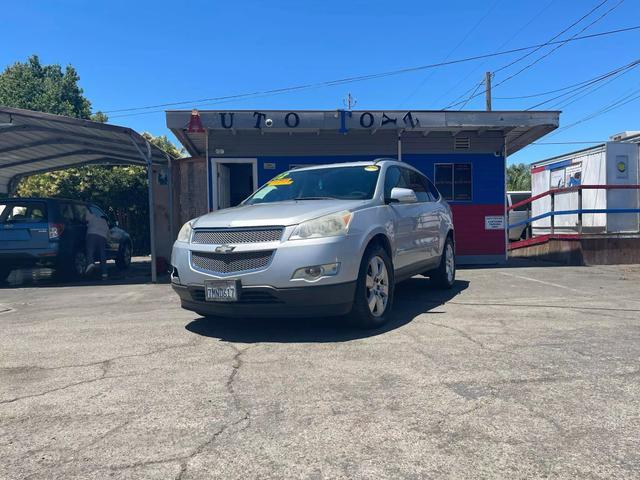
(75, 266)
(4, 273)
(373, 300)
(123, 260)
(445, 275)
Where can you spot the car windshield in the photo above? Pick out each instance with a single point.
(22, 212)
(343, 183)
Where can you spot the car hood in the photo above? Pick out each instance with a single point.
(277, 213)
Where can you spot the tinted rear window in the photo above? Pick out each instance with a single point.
(23, 212)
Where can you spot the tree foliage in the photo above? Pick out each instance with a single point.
(45, 88)
(121, 191)
(163, 143)
(518, 177)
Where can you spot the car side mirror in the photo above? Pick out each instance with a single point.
(402, 195)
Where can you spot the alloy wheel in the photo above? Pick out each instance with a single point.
(449, 263)
(377, 283)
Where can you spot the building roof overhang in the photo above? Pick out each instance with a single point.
(518, 128)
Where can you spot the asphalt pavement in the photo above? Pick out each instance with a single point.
(517, 372)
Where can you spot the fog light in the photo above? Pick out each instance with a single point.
(314, 272)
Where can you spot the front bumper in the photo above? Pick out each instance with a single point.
(267, 301)
(288, 256)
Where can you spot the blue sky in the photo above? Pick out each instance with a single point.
(139, 53)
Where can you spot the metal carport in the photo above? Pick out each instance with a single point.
(34, 142)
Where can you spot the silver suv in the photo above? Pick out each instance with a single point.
(323, 240)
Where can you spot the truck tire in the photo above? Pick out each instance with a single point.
(373, 300)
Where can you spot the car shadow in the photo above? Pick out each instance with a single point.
(414, 297)
(139, 272)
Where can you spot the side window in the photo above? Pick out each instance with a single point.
(519, 197)
(393, 178)
(415, 182)
(66, 212)
(80, 212)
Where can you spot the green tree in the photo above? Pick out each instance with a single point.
(163, 143)
(45, 88)
(518, 177)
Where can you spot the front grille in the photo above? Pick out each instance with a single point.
(230, 262)
(237, 235)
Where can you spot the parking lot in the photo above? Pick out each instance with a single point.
(518, 372)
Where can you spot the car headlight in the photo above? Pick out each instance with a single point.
(326, 226)
(184, 235)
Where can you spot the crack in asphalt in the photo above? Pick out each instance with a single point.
(184, 460)
(229, 384)
(103, 364)
(46, 392)
(100, 362)
(463, 334)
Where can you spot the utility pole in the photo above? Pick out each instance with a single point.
(487, 90)
(349, 101)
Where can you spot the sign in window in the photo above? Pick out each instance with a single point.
(454, 181)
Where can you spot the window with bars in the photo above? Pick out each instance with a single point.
(454, 181)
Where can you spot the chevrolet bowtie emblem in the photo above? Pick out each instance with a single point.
(224, 249)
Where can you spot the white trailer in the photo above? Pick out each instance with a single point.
(612, 163)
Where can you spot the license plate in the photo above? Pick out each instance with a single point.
(221, 290)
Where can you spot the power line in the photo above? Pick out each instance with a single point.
(526, 67)
(568, 143)
(606, 109)
(363, 77)
(552, 41)
(451, 52)
(589, 90)
(504, 44)
(616, 73)
(472, 94)
(552, 38)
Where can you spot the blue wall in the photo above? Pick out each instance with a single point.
(487, 170)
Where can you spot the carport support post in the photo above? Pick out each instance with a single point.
(170, 182)
(152, 220)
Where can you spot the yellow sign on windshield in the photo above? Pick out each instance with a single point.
(277, 182)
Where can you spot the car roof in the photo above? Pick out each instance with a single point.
(42, 199)
(362, 163)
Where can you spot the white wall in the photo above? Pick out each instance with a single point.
(627, 153)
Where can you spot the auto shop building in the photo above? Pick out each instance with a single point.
(462, 152)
